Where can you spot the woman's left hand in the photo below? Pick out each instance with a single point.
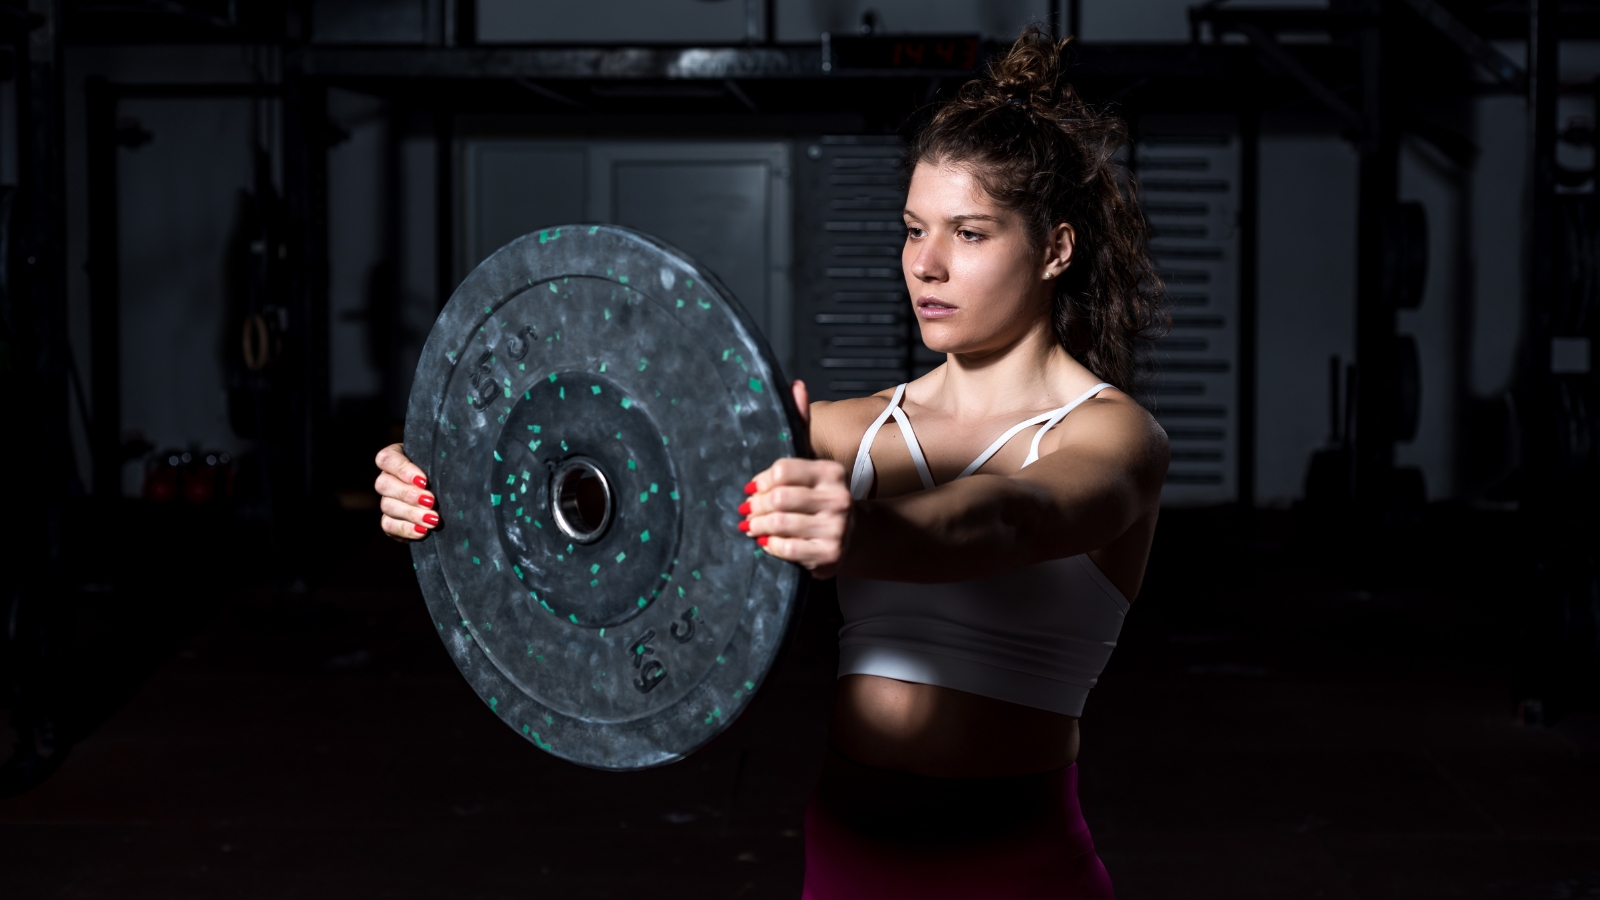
(799, 509)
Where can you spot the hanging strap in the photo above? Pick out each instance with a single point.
(861, 473)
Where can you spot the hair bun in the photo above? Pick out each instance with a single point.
(1030, 71)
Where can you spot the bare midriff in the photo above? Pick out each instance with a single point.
(925, 729)
(941, 732)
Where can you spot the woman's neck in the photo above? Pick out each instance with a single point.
(1029, 373)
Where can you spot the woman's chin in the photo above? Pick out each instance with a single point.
(953, 341)
(943, 340)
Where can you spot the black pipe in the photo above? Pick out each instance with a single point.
(1249, 210)
(444, 198)
(306, 133)
(1376, 320)
(105, 358)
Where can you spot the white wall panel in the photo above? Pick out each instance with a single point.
(1496, 209)
(725, 203)
(1306, 306)
(355, 242)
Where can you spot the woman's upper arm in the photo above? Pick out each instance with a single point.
(819, 428)
(1103, 474)
(834, 434)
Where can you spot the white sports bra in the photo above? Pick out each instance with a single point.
(1038, 635)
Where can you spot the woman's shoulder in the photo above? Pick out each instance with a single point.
(838, 425)
(1116, 422)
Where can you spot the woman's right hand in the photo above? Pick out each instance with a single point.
(408, 506)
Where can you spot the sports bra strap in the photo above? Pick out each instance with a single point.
(994, 448)
(1050, 420)
(1033, 448)
(917, 458)
(861, 473)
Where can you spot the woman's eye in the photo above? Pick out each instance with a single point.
(969, 235)
(913, 232)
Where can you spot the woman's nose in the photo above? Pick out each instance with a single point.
(927, 266)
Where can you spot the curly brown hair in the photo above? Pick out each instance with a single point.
(1041, 151)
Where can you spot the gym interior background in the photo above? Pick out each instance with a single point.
(1366, 662)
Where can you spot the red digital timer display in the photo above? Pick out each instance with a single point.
(927, 51)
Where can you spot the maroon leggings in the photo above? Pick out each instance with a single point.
(875, 834)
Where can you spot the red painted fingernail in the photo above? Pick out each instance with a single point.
(745, 525)
(420, 529)
(763, 540)
(751, 487)
(426, 500)
(420, 482)
(431, 519)
(744, 508)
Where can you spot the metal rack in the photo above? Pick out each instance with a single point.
(765, 87)
(1369, 74)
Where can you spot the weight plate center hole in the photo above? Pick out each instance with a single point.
(581, 501)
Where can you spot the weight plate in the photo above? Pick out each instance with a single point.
(588, 408)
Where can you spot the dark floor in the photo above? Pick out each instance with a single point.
(1274, 725)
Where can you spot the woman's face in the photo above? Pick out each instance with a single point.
(977, 283)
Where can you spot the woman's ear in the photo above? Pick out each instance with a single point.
(1058, 250)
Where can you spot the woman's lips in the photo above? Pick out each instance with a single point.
(933, 308)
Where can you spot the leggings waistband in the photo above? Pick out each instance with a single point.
(891, 803)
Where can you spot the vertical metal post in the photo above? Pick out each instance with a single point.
(466, 23)
(45, 476)
(41, 229)
(1379, 187)
(444, 201)
(1557, 658)
(105, 364)
(1540, 236)
(306, 187)
(1249, 211)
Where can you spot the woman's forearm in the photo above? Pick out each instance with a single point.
(971, 528)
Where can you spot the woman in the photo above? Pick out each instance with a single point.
(985, 558)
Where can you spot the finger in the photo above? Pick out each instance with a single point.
(416, 515)
(392, 459)
(802, 400)
(787, 498)
(796, 525)
(802, 472)
(389, 486)
(812, 554)
(405, 531)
